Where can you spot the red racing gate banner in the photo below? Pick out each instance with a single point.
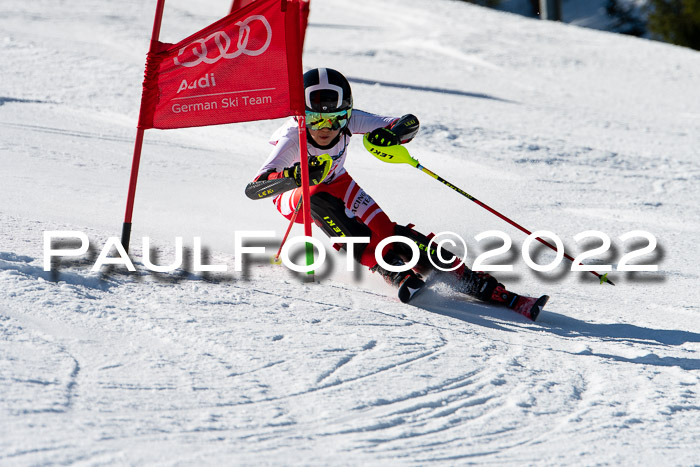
(304, 6)
(244, 67)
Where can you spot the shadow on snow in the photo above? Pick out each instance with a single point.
(560, 325)
(427, 88)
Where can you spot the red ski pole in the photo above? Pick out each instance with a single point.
(398, 154)
(276, 259)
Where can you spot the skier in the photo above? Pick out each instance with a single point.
(339, 206)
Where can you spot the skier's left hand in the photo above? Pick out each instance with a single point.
(400, 132)
(383, 137)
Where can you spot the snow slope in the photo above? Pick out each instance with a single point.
(559, 127)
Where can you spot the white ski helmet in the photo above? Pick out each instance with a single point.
(326, 90)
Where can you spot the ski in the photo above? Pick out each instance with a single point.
(530, 307)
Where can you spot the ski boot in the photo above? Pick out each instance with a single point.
(408, 282)
(486, 288)
(481, 285)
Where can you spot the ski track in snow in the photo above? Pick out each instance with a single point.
(260, 368)
(404, 382)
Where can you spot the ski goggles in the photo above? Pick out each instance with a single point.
(331, 120)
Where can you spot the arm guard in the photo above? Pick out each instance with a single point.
(405, 128)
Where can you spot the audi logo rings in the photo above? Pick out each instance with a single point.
(223, 44)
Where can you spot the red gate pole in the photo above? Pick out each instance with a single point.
(305, 195)
(294, 30)
(138, 144)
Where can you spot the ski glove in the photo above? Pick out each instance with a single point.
(383, 137)
(319, 167)
(400, 132)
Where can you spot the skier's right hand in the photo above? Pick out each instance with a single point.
(319, 167)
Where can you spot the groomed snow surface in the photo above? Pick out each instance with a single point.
(560, 128)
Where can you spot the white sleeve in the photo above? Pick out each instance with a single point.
(364, 122)
(286, 150)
